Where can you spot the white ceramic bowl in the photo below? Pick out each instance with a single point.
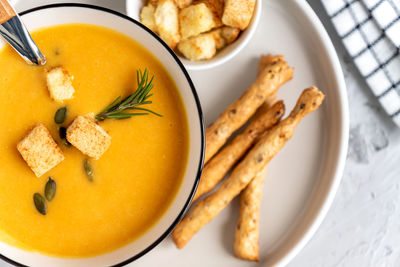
(133, 8)
(76, 13)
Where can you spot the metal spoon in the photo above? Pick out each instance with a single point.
(16, 34)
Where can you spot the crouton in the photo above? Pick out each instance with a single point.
(196, 19)
(183, 3)
(238, 13)
(219, 40)
(224, 36)
(199, 47)
(229, 34)
(39, 150)
(59, 83)
(205, 45)
(216, 6)
(147, 17)
(152, 2)
(166, 20)
(87, 136)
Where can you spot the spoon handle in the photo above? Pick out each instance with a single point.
(15, 33)
(6, 11)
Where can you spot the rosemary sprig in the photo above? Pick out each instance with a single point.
(117, 109)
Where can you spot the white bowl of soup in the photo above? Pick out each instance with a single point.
(142, 184)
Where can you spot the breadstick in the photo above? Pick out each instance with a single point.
(246, 244)
(223, 161)
(264, 61)
(268, 59)
(257, 158)
(270, 78)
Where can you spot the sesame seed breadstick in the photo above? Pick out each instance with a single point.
(257, 158)
(268, 59)
(246, 244)
(270, 78)
(264, 61)
(222, 162)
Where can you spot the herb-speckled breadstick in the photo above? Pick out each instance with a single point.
(269, 79)
(257, 158)
(223, 161)
(264, 61)
(246, 244)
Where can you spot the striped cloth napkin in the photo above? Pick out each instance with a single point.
(370, 31)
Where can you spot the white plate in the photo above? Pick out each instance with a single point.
(303, 178)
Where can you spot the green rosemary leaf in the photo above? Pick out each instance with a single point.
(113, 103)
(126, 115)
(148, 110)
(119, 116)
(150, 95)
(145, 92)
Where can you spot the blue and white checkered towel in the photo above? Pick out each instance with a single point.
(370, 31)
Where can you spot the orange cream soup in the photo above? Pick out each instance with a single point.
(136, 179)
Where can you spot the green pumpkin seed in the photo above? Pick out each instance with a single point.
(50, 189)
(60, 115)
(88, 169)
(63, 135)
(62, 132)
(40, 203)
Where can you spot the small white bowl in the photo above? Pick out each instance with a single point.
(133, 8)
(57, 14)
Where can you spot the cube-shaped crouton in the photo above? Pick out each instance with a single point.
(199, 47)
(152, 2)
(39, 150)
(224, 36)
(87, 136)
(238, 13)
(183, 3)
(216, 6)
(229, 34)
(166, 20)
(59, 83)
(196, 19)
(205, 45)
(147, 17)
(219, 40)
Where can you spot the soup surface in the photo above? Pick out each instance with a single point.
(135, 180)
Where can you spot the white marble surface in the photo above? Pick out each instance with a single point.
(361, 228)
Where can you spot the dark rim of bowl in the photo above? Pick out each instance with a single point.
(199, 110)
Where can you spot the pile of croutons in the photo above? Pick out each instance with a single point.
(198, 28)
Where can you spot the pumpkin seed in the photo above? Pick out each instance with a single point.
(50, 189)
(40, 203)
(60, 115)
(88, 169)
(63, 135)
(63, 132)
